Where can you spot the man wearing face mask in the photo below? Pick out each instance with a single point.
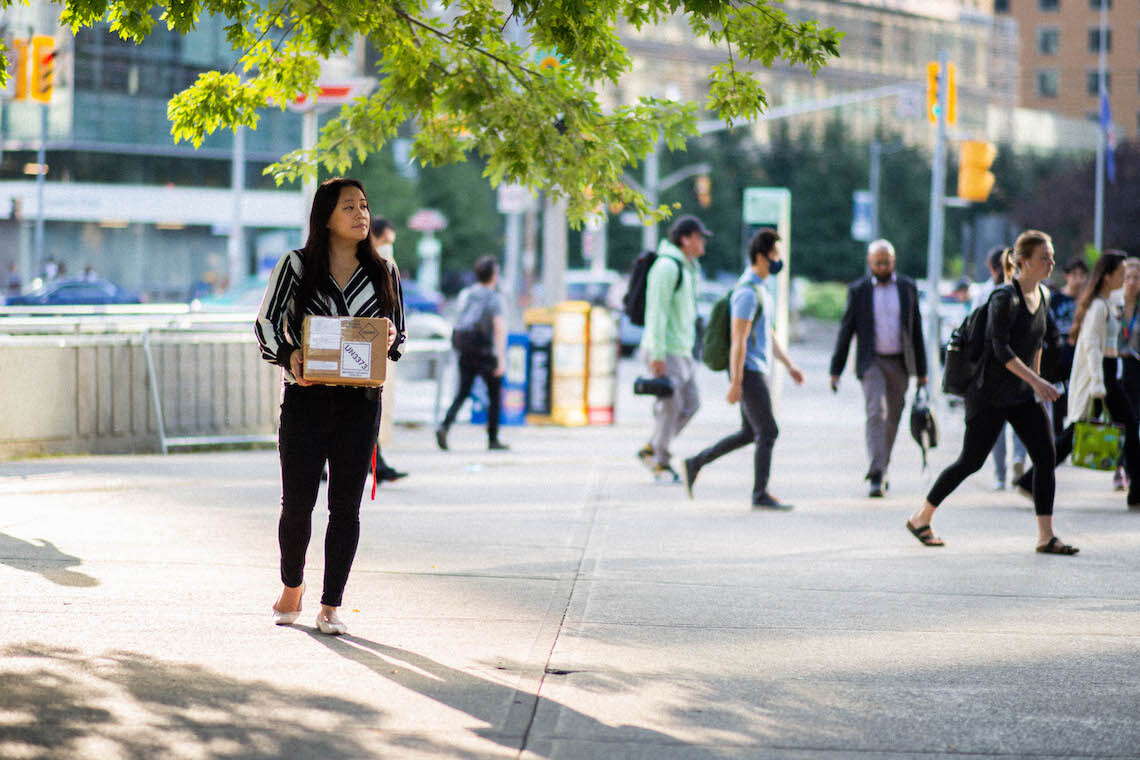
(752, 347)
(882, 315)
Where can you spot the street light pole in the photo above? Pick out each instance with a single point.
(652, 176)
(937, 227)
(41, 159)
(876, 166)
(1102, 136)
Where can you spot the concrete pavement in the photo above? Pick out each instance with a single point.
(549, 602)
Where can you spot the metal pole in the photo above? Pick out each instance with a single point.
(41, 159)
(1102, 136)
(309, 134)
(652, 176)
(512, 269)
(876, 166)
(554, 240)
(937, 229)
(238, 267)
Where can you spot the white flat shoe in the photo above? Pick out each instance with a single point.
(332, 629)
(288, 618)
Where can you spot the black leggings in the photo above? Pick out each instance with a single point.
(1029, 420)
(1120, 410)
(319, 423)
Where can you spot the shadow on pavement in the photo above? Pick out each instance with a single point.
(43, 558)
(485, 700)
(60, 704)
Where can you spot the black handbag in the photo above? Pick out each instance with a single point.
(661, 387)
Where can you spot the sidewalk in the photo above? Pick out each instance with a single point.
(549, 602)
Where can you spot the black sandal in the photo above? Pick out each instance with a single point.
(925, 535)
(1056, 547)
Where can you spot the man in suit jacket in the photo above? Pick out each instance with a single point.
(882, 314)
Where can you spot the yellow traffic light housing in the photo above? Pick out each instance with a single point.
(975, 180)
(951, 94)
(43, 68)
(932, 91)
(932, 80)
(702, 186)
(20, 91)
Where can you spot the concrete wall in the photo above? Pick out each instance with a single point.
(91, 394)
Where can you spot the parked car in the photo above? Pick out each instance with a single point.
(75, 292)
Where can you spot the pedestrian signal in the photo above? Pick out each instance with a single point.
(975, 180)
(43, 68)
(21, 89)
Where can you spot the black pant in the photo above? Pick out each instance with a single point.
(319, 423)
(757, 426)
(1121, 412)
(1031, 423)
(471, 367)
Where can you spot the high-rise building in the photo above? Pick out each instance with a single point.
(1060, 51)
(886, 42)
(120, 196)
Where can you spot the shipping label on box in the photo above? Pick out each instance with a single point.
(345, 350)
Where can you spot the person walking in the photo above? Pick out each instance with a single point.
(882, 315)
(383, 235)
(1063, 307)
(670, 337)
(1129, 350)
(995, 261)
(753, 344)
(337, 273)
(1093, 385)
(480, 337)
(1017, 324)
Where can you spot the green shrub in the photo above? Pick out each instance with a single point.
(825, 300)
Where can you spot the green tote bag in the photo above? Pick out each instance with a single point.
(1097, 444)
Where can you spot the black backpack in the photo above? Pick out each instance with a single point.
(969, 346)
(634, 300)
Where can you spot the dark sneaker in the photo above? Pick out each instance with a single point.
(497, 446)
(768, 501)
(663, 473)
(441, 438)
(877, 490)
(645, 456)
(690, 468)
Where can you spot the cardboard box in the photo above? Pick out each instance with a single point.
(345, 350)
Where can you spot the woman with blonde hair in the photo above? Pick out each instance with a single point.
(1092, 385)
(1017, 324)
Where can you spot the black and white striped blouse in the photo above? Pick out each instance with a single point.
(279, 331)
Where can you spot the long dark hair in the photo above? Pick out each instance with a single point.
(1106, 265)
(315, 253)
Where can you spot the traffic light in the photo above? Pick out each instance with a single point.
(43, 68)
(702, 186)
(21, 90)
(975, 180)
(932, 81)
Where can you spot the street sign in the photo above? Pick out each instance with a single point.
(766, 205)
(861, 216)
(334, 93)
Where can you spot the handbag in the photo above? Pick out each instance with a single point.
(1097, 443)
(661, 387)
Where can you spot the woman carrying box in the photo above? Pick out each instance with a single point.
(338, 273)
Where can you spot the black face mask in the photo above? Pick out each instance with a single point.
(774, 267)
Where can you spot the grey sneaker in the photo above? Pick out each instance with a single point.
(768, 501)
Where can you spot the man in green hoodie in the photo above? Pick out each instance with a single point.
(669, 337)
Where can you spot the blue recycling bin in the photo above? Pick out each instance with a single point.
(513, 411)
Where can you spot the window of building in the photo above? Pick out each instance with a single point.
(1096, 4)
(1001, 6)
(1047, 82)
(1048, 5)
(1048, 40)
(1095, 40)
(1092, 82)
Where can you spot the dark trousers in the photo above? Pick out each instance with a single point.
(757, 426)
(1120, 410)
(1032, 426)
(469, 369)
(324, 423)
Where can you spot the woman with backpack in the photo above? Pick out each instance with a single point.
(337, 273)
(1017, 324)
(1093, 386)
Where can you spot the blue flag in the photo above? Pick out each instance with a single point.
(1109, 135)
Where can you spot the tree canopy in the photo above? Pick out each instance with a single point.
(531, 112)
